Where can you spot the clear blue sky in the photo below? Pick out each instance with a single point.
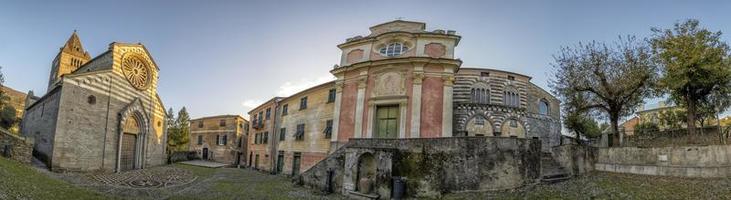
(219, 57)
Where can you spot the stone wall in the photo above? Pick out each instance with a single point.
(39, 122)
(576, 159)
(688, 161)
(16, 147)
(432, 166)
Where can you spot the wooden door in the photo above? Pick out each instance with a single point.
(129, 144)
(387, 121)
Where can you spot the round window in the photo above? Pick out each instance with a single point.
(393, 49)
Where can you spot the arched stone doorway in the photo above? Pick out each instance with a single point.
(479, 126)
(366, 175)
(132, 132)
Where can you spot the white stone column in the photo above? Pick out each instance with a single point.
(447, 106)
(360, 100)
(416, 103)
(336, 111)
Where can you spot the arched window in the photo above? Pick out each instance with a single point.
(393, 49)
(511, 98)
(543, 107)
(480, 95)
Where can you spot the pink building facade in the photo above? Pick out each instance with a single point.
(397, 82)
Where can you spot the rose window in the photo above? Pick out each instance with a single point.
(136, 72)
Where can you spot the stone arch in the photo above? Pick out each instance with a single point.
(513, 126)
(132, 131)
(366, 173)
(479, 125)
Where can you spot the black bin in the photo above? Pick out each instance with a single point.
(399, 187)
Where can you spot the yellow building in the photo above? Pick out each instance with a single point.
(219, 138)
(261, 130)
(305, 128)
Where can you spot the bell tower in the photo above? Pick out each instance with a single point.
(69, 58)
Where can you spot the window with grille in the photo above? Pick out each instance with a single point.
(300, 134)
(303, 103)
(393, 49)
(331, 96)
(282, 134)
(328, 129)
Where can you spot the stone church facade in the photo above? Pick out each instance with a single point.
(99, 114)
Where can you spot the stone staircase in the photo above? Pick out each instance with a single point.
(552, 171)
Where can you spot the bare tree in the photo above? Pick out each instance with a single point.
(614, 80)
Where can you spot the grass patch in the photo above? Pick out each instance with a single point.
(201, 172)
(19, 181)
(602, 185)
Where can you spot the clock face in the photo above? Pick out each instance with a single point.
(136, 72)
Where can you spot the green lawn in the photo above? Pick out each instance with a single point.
(602, 185)
(19, 181)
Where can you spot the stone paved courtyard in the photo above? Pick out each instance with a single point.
(191, 182)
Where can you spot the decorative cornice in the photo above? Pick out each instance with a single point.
(412, 59)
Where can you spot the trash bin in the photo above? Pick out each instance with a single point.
(399, 187)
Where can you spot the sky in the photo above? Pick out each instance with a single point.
(226, 57)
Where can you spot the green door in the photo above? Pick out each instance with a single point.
(387, 121)
(280, 162)
(296, 159)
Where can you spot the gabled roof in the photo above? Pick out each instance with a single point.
(73, 46)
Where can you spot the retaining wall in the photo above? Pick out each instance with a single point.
(16, 147)
(688, 161)
(432, 166)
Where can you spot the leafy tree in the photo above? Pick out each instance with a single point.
(583, 126)
(694, 67)
(646, 128)
(178, 130)
(8, 117)
(183, 122)
(613, 80)
(672, 118)
(8, 113)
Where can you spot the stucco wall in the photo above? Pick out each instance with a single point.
(689, 161)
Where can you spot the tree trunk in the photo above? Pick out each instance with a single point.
(691, 118)
(718, 125)
(615, 130)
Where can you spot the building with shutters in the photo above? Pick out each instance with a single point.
(219, 138)
(304, 124)
(260, 148)
(99, 114)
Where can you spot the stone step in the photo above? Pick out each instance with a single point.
(555, 179)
